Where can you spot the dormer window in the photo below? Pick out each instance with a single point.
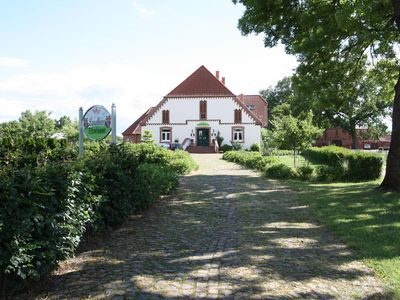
(203, 110)
(251, 106)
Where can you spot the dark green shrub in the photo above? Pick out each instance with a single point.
(43, 214)
(225, 148)
(304, 172)
(364, 166)
(255, 147)
(329, 173)
(279, 171)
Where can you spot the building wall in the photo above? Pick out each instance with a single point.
(181, 132)
(182, 109)
(333, 135)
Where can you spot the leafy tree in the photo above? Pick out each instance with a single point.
(293, 133)
(281, 93)
(147, 137)
(325, 33)
(361, 98)
(70, 129)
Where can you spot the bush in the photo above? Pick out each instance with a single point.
(255, 147)
(225, 148)
(253, 160)
(43, 215)
(329, 173)
(279, 171)
(49, 199)
(267, 161)
(237, 146)
(131, 177)
(304, 172)
(355, 165)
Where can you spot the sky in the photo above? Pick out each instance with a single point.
(60, 55)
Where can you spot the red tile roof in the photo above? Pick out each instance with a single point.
(260, 105)
(200, 83)
(136, 128)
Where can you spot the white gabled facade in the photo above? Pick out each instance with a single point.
(182, 115)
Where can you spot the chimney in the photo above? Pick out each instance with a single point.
(241, 97)
(217, 74)
(223, 80)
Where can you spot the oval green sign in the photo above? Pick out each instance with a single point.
(96, 123)
(203, 124)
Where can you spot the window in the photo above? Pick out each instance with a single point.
(237, 134)
(203, 110)
(165, 116)
(166, 136)
(251, 106)
(238, 116)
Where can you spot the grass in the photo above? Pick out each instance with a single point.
(300, 161)
(366, 218)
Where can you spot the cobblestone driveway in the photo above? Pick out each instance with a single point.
(228, 234)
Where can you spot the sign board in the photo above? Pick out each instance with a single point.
(96, 123)
(203, 124)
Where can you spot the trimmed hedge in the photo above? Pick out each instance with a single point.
(252, 160)
(340, 164)
(347, 164)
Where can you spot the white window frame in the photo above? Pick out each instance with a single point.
(166, 135)
(236, 132)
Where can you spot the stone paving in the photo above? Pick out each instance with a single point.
(227, 234)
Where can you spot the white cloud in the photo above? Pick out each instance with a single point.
(131, 87)
(142, 10)
(13, 62)
(134, 85)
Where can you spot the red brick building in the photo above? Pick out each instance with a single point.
(340, 137)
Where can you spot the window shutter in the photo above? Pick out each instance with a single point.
(203, 109)
(165, 116)
(238, 116)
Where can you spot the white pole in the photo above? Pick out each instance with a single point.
(113, 124)
(80, 132)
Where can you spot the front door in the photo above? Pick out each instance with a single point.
(203, 137)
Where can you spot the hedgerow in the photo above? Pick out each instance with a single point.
(49, 197)
(252, 160)
(347, 164)
(339, 164)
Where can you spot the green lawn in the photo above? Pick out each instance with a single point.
(300, 160)
(366, 218)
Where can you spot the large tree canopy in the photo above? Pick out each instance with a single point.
(324, 34)
(281, 93)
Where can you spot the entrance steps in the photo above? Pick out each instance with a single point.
(201, 149)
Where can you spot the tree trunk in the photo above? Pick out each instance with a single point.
(354, 139)
(3, 288)
(392, 176)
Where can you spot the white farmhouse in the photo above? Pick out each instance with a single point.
(197, 109)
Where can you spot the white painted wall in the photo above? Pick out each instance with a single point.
(187, 109)
(182, 109)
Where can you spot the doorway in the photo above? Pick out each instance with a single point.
(203, 137)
